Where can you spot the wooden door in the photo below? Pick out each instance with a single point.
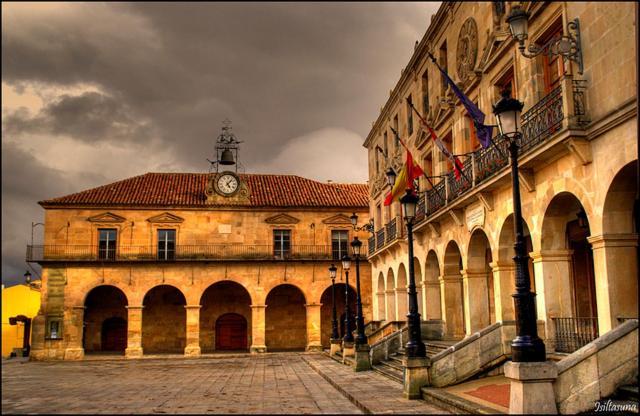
(231, 332)
(114, 334)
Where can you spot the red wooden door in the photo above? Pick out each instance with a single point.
(231, 332)
(114, 334)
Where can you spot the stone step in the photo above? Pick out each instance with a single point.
(392, 364)
(388, 372)
(396, 358)
(453, 403)
(628, 392)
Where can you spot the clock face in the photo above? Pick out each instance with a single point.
(228, 183)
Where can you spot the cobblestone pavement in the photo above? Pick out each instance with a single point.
(271, 383)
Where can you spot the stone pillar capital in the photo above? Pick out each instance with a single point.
(192, 306)
(78, 307)
(450, 278)
(498, 266)
(473, 274)
(390, 291)
(551, 255)
(134, 307)
(613, 240)
(401, 289)
(432, 283)
(308, 305)
(257, 306)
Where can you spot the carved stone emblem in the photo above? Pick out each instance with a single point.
(467, 49)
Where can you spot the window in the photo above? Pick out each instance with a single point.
(409, 116)
(379, 216)
(54, 328)
(395, 127)
(448, 143)
(339, 243)
(506, 82)
(425, 94)
(552, 66)
(166, 244)
(443, 65)
(281, 243)
(473, 143)
(427, 166)
(386, 144)
(107, 244)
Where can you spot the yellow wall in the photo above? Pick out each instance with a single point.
(17, 300)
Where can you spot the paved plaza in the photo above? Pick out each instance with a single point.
(270, 383)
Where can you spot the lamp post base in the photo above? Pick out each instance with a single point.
(532, 387)
(527, 349)
(416, 376)
(348, 350)
(336, 346)
(362, 357)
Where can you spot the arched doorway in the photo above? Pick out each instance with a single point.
(433, 308)
(390, 296)
(164, 321)
(402, 297)
(225, 298)
(231, 332)
(326, 311)
(417, 271)
(286, 319)
(105, 320)
(568, 273)
(478, 284)
(382, 310)
(452, 292)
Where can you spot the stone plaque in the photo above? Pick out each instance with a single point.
(467, 49)
(475, 216)
(224, 228)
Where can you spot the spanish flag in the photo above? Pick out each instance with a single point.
(409, 172)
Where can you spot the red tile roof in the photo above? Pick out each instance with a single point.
(188, 190)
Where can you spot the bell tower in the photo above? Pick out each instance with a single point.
(225, 185)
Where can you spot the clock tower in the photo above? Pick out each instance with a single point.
(224, 182)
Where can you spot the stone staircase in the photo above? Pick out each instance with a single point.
(392, 367)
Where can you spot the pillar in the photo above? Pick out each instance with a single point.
(73, 334)
(192, 349)
(553, 288)
(382, 315)
(401, 303)
(431, 293)
(257, 329)
(313, 327)
(616, 275)
(451, 301)
(532, 387)
(503, 289)
(390, 296)
(476, 300)
(134, 332)
(419, 293)
(37, 338)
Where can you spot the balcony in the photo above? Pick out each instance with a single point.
(208, 252)
(385, 236)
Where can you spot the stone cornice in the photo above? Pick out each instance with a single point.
(613, 240)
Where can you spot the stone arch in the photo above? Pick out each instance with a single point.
(615, 251)
(417, 270)
(285, 318)
(506, 251)
(478, 283)
(218, 299)
(164, 328)
(382, 310)
(401, 293)
(433, 309)
(390, 296)
(452, 295)
(105, 320)
(326, 311)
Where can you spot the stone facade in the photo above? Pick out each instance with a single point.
(223, 281)
(578, 173)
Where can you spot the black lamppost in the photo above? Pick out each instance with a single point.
(27, 277)
(415, 347)
(334, 322)
(527, 346)
(361, 338)
(346, 265)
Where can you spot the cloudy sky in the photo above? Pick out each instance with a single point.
(93, 93)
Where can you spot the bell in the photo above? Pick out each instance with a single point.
(227, 158)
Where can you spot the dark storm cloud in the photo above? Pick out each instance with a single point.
(169, 73)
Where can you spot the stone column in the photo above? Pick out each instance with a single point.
(503, 289)
(257, 329)
(553, 288)
(451, 301)
(419, 293)
(476, 300)
(616, 275)
(532, 387)
(314, 342)
(134, 332)
(390, 296)
(401, 303)
(192, 349)
(431, 292)
(37, 338)
(382, 310)
(73, 333)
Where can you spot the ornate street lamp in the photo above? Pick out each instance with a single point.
(334, 322)
(361, 338)
(527, 346)
(27, 277)
(415, 347)
(391, 177)
(567, 46)
(346, 265)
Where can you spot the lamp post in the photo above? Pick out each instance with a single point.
(346, 265)
(415, 347)
(527, 346)
(361, 338)
(334, 321)
(27, 277)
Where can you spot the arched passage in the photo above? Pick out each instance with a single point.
(285, 321)
(452, 298)
(225, 298)
(390, 295)
(164, 321)
(326, 311)
(433, 308)
(568, 274)
(401, 294)
(615, 251)
(382, 310)
(478, 284)
(105, 320)
(417, 270)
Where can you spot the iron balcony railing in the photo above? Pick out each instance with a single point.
(183, 252)
(372, 244)
(571, 334)
(391, 230)
(379, 238)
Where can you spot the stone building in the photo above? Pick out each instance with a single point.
(195, 263)
(578, 174)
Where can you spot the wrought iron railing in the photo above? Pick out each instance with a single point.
(458, 186)
(435, 198)
(490, 160)
(380, 238)
(372, 244)
(182, 252)
(579, 101)
(541, 120)
(391, 230)
(420, 210)
(572, 334)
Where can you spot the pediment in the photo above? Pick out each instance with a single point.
(282, 219)
(165, 217)
(339, 219)
(106, 217)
